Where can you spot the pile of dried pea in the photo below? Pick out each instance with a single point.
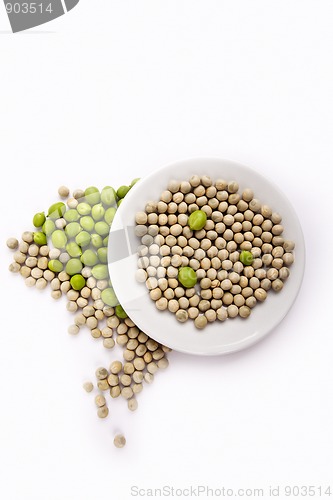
(68, 251)
(210, 253)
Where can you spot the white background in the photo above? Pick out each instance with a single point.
(111, 91)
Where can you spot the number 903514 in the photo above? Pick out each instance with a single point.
(28, 8)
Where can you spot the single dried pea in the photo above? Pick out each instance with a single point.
(120, 312)
(187, 277)
(246, 258)
(40, 238)
(57, 210)
(77, 282)
(119, 441)
(39, 219)
(197, 220)
(122, 191)
(88, 386)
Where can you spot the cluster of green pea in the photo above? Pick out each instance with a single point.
(84, 236)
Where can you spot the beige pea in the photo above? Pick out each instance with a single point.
(288, 259)
(103, 385)
(125, 380)
(78, 194)
(33, 250)
(19, 257)
(149, 377)
(158, 354)
(95, 333)
(139, 364)
(23, 247)
(132, 344)
(232, 311)
(277, 285)
(100, 400)
(12, 243)
(119, 441)
(116, 367)
(132, 404)
(284, 273)
(260, 294)
(80, 320)
(137, 388)
(163, 363)
(41, 283)
(88, 386)
(148, 357)
(28, 237)
(101, 373)
(56, 294)
(222, 314)
(99, 315)
(200, 322)
(127, 392)
(15, 267)
(113, 322)
(182, 315)
(65, 286)
(210, 315)
(108, 343)
(73, 329)
(122, 340)
(115, 391)
(288, 245)
(72, 203)
(63, 191)
(152, 367)
(55, 283)
(137, 377)
(103, 412)
(113, 380)
(244, 311)
(71, 306)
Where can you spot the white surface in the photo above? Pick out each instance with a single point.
(112, 94)
(217, 338)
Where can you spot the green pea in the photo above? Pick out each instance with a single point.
(187, 277)
(83, 239)
(48, 227)
(77, 282)
(106, 241)
(98, 211)
(122, 191)
(102, 228)
(72, 229)
(92, 195)
(109, 215)
(109, 297)
(39, 219)
(108, 195)
(89, 258)
(119, 202)
(83, 208)
(134, 181)
(100, 271)
(73, 249)
(56, 210)
(102, 254)
(55, 265)
(71, 215)
(120, 312)
(73, 266)
(197, 220)
(40, 238)
(246, 258)
(59, 238)
(96, 240)
(87, 223)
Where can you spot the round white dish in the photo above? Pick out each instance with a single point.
(217, 338)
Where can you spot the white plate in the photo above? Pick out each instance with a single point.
(217, 338)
